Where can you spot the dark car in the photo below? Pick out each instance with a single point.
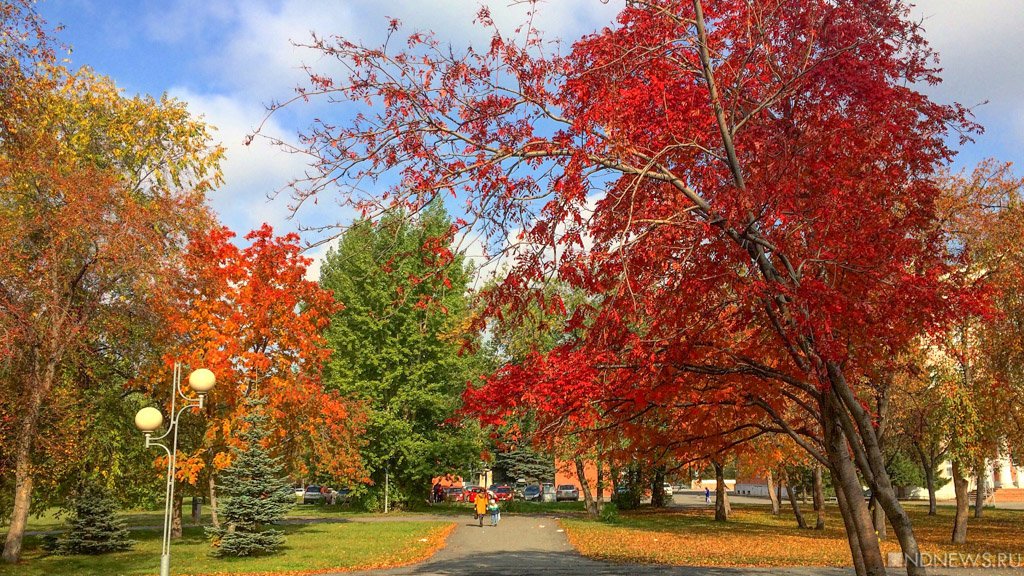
(531, 493)
(567, 492)
(454, 494)
(502, 493)
(312, 495)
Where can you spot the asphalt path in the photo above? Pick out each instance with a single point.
(523, 545)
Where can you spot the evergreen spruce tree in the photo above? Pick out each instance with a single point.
(256, 494)
(94, 527)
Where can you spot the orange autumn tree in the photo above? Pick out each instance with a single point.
(98, 192)
(250, 315)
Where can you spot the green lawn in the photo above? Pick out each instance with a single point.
(309, 547)
(49, 519)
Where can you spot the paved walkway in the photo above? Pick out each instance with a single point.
(527, 545)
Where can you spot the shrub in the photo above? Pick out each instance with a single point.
(609, 513)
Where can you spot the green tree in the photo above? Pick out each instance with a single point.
(525, 462)
(95, 529)
(396, 345)
(257, 494)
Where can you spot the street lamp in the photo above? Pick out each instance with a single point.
(149, 419)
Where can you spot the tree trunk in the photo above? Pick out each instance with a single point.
(600, 485)
(929, 479)
(979, 495)
(846, 514)
(772, 494)
(214, 519)
(819, 499)
(658, 489)
(176, 515)
(791, 493)
(636, 474)
(197, 510)
(860, 533)
(721, 504)
(960, 518)
(23, 480)
(871, 462)
(614, 471)
(22, 501)
(588, 497)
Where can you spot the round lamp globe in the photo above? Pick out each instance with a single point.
(201, 380)
(148, 419)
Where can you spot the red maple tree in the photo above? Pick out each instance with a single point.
(745, 189)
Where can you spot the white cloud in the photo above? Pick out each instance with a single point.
(251, 173)
(979, 45)
(258, 55)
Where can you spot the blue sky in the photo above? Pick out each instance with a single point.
(228, 58)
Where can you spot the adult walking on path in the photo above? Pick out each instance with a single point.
(480, 505)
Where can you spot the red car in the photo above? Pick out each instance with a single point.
(502, 493)
(472, 491)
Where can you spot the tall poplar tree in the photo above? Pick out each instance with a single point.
(396, 345)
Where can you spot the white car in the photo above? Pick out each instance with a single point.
(667, 489)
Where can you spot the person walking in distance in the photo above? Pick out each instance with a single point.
(480, 504)
(707, 495)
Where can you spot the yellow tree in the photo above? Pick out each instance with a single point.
(974, 362)
(99, 190)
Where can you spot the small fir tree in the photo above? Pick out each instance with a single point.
(256, 494)
(94, 527)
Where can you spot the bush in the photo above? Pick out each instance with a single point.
(609, 513)
(367, 500)
(627, 500)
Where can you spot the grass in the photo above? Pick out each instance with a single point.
(309, 548)
(753, 537)
(51, 518)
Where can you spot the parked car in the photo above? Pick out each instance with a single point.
(667, 489)
(472, 491)
(518, 488)
(502, 493)
(532, 493)
(343, 496)
(547, 493)
(455, 494)
(312, 495)
(567, 492)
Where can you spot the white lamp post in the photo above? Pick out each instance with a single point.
(149, 419)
